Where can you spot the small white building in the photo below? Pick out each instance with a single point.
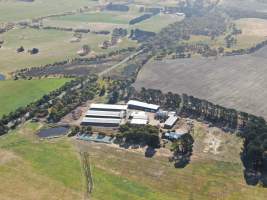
(139, 121)
(170, 122)
(139, 118)
(138, 115)
(138, 105)
(173, 135)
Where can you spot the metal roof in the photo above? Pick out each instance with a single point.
(171, 120)
(139, 121)
(108, 106)
(101, 120)
(173, 135)
(97, 113)
(143, 104)
(139, 115)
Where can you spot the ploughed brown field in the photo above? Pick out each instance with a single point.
(238, 82)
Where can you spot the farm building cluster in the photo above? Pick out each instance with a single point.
(134, 112)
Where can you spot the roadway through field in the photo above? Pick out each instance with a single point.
(105, 72)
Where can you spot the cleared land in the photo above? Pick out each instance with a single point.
(215, 172)
(236, 82)
(248, 5)
(13, 10)
(253, 31)
(15, 94)
(35, 169)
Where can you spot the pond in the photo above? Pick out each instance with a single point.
(53, 132)
(2, 77)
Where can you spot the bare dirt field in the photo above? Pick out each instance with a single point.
(237, 82)
(249, 5)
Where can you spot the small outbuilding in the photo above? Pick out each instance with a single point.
(170, 122)
(139, 121)
(173, 135)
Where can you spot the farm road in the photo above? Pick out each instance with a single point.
(105, 72)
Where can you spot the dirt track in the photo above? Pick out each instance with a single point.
(238, 82)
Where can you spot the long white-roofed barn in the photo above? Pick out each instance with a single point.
(105, 114)
(103, 122)
(138, 105)
(108, 107)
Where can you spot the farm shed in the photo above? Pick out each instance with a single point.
(138, 105)
(105, 114)
(139, 121)
(169, 123)
(173, 135)
(108, 107)
(139, 115)
(104, 122)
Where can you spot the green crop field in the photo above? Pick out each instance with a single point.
(35, 169)
(156, 23)
(15, 94)
(13, 10)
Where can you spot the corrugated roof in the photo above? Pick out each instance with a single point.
(108, 106)
(139, 115)
(143, 105)
(173, 135)
(97, 113)
(101, 120)
(139, 121)
(171, 120)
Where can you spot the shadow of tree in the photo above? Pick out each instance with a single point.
(150, 152)
(182, 163)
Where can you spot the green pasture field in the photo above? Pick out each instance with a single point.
(122, 174)
(31, 168)
(158, 22)
(13, 10)
(53, 46)
(15, 94)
